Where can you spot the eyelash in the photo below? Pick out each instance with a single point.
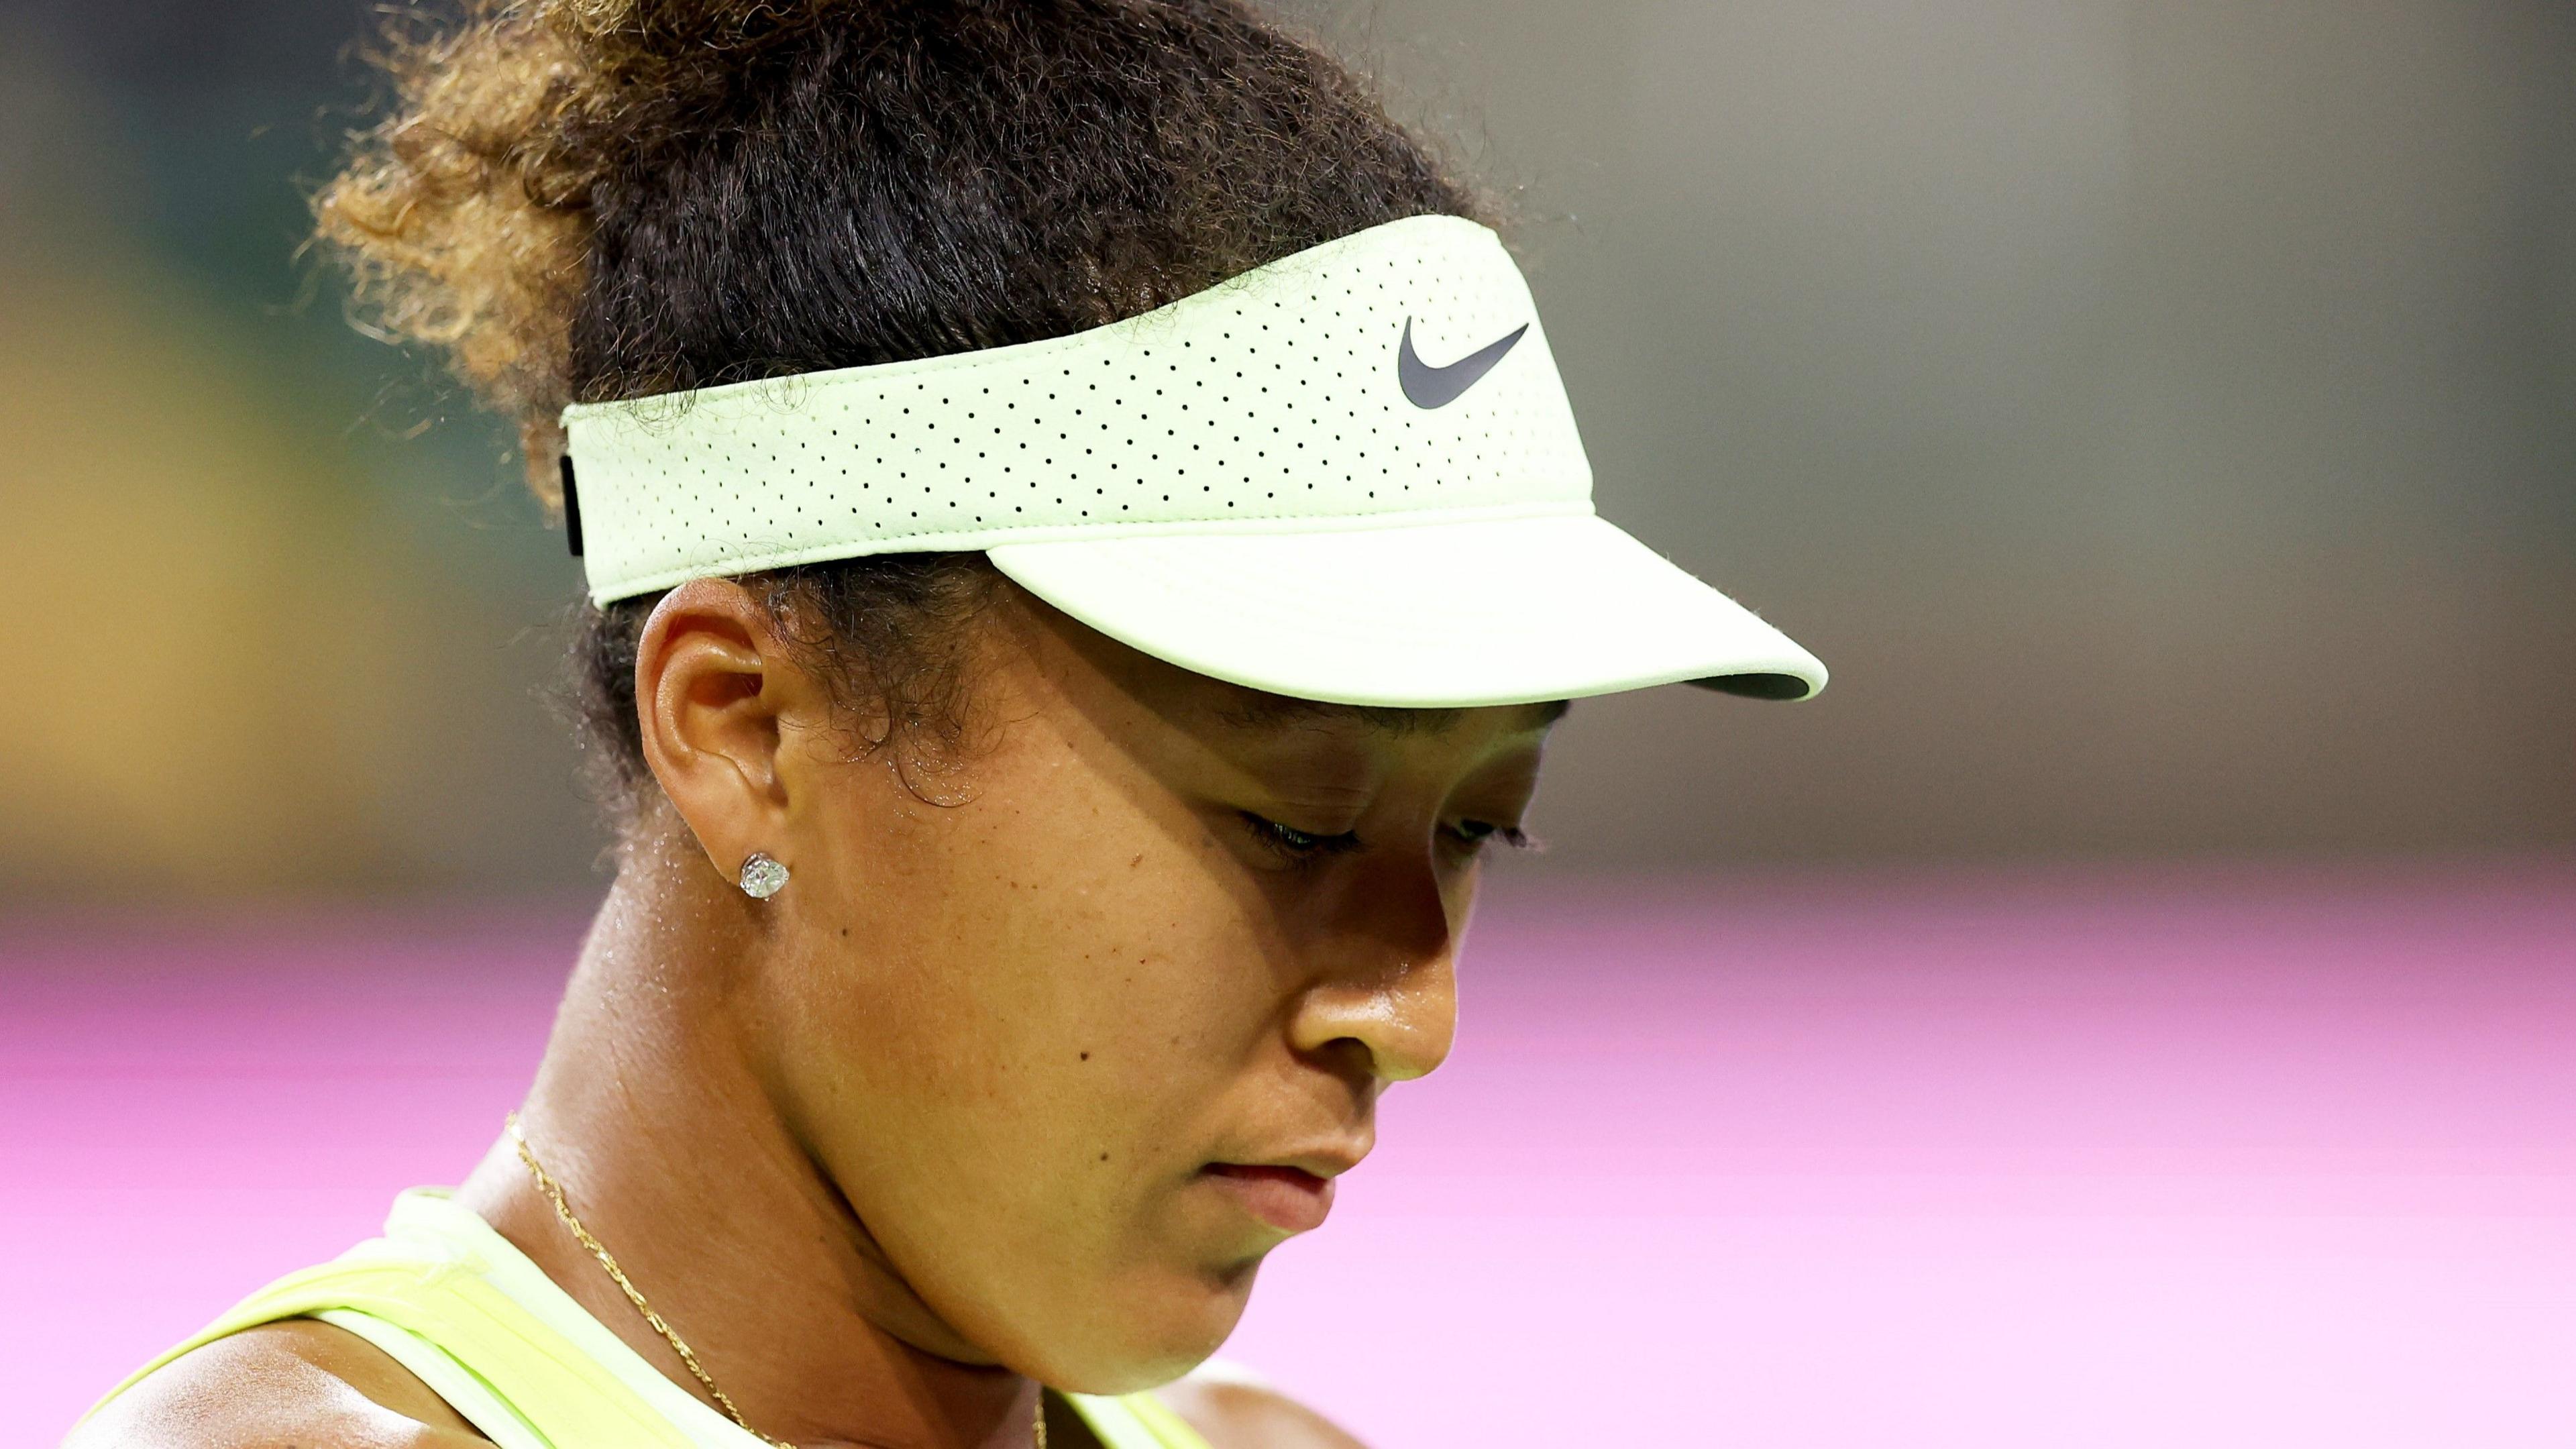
(1511, 835)
(1291, 843)
(1295, 844)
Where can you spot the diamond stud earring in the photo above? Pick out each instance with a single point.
(761, 876)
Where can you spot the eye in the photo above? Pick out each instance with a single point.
(1294, 844)
(1475, 834)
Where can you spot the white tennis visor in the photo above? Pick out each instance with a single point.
(1350, 475)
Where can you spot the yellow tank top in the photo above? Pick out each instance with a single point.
(471, 1316)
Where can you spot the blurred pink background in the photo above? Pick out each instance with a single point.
(2219, 1155)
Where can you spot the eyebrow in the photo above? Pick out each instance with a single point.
(1255, 710)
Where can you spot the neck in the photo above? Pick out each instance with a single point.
(671, 1153)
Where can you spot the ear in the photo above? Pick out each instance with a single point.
(716, 694)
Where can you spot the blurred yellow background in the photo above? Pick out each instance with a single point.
(2161, 416)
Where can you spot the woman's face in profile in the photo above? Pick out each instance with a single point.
(1155, 926)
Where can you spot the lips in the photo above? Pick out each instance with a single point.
(1290, 1199)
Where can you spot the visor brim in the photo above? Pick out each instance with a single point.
(1425, 616)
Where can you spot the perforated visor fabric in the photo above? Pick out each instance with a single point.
(1299, 416)
(1443, 614)
(1273, 399)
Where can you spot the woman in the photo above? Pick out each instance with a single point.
(1086, 543)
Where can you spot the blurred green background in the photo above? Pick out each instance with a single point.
(2162, 416)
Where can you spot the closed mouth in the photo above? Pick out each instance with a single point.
(1290, 1199)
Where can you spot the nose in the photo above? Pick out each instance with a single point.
(1387, 992)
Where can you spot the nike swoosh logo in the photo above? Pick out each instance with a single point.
(1427, 387)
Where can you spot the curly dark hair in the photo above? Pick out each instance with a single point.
(583, 200)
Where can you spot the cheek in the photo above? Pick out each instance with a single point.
(1108, 959)
(1017, 1058)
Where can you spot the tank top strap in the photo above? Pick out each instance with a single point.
(430, 1294)
(566, 1397)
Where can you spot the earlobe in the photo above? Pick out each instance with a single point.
(712, 681)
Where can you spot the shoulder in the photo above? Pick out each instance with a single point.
(297, 1381)
(1233, 1411)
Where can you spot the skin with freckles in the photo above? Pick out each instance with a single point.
(966, 1106)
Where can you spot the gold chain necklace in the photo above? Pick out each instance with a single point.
(555, 1194)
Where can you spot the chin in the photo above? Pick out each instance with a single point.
(1158, 1332)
